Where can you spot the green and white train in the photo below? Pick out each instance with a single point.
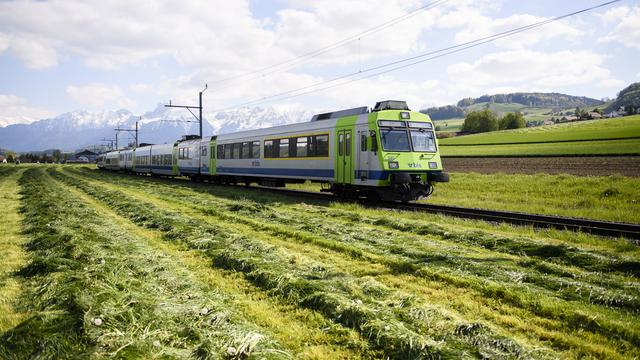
(388, 153)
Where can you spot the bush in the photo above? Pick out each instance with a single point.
(512, 121)
(480, 121)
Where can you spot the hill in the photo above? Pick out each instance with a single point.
(540, 100)
(533, 105)
(628, 97)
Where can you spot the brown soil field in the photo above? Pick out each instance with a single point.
(584, 166)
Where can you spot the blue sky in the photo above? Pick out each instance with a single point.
(59, 56)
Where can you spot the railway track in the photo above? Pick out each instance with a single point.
(602, 228)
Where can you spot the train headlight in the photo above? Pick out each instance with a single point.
(393, 165)
(433, 165)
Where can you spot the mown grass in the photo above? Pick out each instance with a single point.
(11, 242)
(616, 128)
(521, 292)
(96, 291)
(390, 319)
(610, 198)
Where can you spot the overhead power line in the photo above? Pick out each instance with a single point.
(407, 62)
(288, 64)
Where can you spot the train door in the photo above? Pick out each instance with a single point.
(362, 154)
(344, 166)
(204, 158)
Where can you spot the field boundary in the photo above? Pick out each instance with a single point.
(537, 155)
(544, 142)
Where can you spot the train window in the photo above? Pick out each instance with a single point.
(423, 140)
(220, 152)
(227, 151)
(347, 149)
(341, 144)
(203, 150)
(255, 150)
(284, 148)
(269, 149)
(188, 156)
(322, 145)
(374, 142)
(363, 142)
(301, 146)
(246, 150)
(235, 153)
(395, 140)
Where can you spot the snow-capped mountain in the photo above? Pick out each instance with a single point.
(80, 129)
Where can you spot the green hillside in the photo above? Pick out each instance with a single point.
(627, 127)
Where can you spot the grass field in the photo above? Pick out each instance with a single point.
(611, 198)
(133, 267)
(626, 127)
(581, 148)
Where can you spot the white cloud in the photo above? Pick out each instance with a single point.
(532, 70)
(99, 96)
(15, 110)
(627, 26)
(476, 25)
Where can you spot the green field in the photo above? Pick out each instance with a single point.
(449, 125)
(108, 265)
(611, 198)
(602, 147)
(626, 127)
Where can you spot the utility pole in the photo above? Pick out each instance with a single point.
(110, 141)
(118, 130)
(199, 118)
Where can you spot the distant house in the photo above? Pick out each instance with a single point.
(84, 156)
(3, 159)
(594, 115)
(548, 122)
(613, 114)
(568, 118)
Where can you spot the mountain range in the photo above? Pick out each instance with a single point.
(80, 129)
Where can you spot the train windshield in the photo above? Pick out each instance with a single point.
(395, 140)
(423, 140)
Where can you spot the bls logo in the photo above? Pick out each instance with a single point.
(415, 165)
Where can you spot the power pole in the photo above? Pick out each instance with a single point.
(199, 118)
(118, 130)
(110, 141)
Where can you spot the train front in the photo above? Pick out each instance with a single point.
(408, 153)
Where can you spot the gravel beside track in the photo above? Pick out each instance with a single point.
(583, 166)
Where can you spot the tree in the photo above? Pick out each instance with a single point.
(57, 155)
(480, 121)
(512, 121)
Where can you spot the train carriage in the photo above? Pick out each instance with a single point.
(162, 160)
(142, 160)
(388, 152)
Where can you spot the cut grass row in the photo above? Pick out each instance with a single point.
(402, 327)
(13, 255)
(95, 290)
(462, 281)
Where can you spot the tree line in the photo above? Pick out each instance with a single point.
(486, 120)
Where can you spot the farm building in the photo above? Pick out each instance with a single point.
(84, 156)
(3, 159)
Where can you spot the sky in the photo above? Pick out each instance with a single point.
(61, 56)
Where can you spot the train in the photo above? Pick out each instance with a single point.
(387, 153)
